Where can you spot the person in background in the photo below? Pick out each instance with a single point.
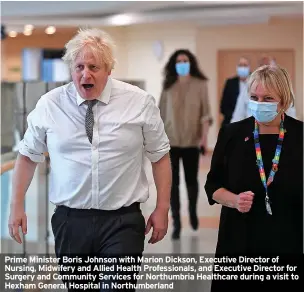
(97, 131)
(185, 110)
(234, 89)
(267, 60)
(242, 110)
(256, 174)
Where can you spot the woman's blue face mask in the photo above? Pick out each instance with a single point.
(182, 69)
(263, 112)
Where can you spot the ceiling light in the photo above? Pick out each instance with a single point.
(122, 19)
(27, 32)
(50, 30)
(12, 34)
(28, 27)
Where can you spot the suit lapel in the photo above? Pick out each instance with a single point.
(247, 140)
(247, 133)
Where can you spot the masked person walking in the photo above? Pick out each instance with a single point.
(235, 91)
(257, 174)
(184, 108)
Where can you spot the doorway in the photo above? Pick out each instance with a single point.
(227, 61)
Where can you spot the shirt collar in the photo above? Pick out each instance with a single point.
(104, 97)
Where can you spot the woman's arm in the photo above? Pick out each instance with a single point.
(215, 183)
(216, 175)
(225, 197)
(162, 106)
(205, 118)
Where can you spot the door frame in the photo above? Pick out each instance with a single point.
(245, 52)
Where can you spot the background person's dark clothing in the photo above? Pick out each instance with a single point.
(190, 159)
(229, 98)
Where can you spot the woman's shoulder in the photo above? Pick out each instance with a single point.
(239, 127)
(295, 122)
(233, 133)
(198, 81)
(245, 127)
(165, 91)
(294, 127)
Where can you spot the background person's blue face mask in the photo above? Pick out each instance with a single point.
(182, 69)
(263, 112)
(242, 71)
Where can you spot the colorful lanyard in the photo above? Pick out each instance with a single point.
(275, 161)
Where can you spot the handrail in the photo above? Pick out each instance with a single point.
(8, 160)
(7, 166)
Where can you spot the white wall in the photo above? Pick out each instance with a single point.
(142, 64)
(136, 60)
(121, 54)
(205, 43)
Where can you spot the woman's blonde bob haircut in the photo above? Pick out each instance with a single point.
(276, 80)
(92, 40)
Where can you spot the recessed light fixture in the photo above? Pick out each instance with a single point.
(50, 30)
(27, 32)
(12, 34)
(28, 27)
(122, 19)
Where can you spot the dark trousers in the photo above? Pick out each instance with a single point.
(92, 233)
(190, 159)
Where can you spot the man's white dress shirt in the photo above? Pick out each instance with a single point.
(109, 173)
(241, 108)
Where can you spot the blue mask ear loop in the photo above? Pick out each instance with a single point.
(281, 111)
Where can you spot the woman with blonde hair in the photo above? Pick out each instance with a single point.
(257, 173)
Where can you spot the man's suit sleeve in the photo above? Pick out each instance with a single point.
(225, 98)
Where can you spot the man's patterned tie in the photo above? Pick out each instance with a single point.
(89, 119)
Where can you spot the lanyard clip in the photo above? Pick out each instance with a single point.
(275, 167)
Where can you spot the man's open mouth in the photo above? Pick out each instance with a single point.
(88, 86)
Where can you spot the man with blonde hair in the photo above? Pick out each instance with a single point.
(97, 131)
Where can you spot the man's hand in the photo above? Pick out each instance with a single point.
(159, 221)
(244, 201)
(17, 219)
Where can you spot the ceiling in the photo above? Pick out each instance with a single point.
(16, 14)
